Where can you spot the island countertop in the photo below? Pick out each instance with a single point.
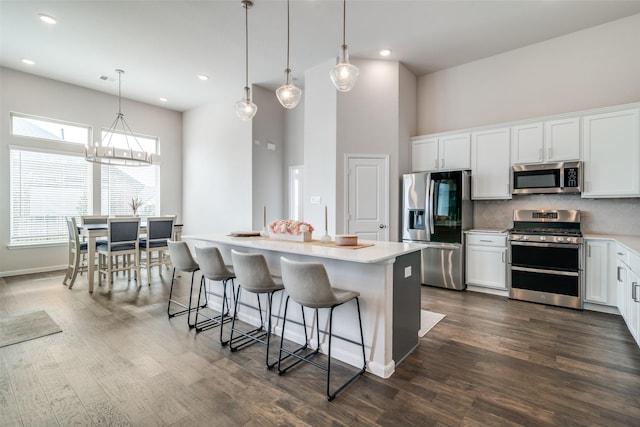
(385, 274)
(379, 251)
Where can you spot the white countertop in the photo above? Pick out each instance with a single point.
(380, 251)
(630, 242)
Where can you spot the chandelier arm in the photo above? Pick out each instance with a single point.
(125, 127)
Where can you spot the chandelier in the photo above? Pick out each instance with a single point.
(344, 74)
(288, 94)
(121, 146)
(245, 109)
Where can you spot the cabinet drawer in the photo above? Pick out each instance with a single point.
(622, 254)
(487, 240)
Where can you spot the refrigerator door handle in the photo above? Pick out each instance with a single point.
(432, 228)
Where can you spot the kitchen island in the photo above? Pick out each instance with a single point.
(387, 275)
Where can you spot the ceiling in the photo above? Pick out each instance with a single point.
(164, 45)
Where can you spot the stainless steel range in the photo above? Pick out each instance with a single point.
(546, 257)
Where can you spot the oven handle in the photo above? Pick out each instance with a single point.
(547, 245)
(540, 270)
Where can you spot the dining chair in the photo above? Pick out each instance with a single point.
(253, 275)
(122, 239)
(159, 231)
(213, 269)
(182, 260)
(77, 253)
(307, 283)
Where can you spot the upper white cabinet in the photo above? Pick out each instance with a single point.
(550, 141)
(491, 164)
(611, 147)
(450, 152)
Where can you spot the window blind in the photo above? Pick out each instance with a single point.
(121, 184)
(46, 188)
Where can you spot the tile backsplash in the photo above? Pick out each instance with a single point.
(598, 216)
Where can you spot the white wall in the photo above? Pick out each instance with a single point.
(268, 158)
(217, 167)
(294, 145)
(320, 123)
(592, 68)
(25, 93)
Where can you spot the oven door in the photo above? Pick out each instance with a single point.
(546, 273)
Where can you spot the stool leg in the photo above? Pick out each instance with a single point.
(269, 303)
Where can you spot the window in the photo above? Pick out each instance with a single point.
(55, 130)
(45, 188)
(121, 184)
(129, 140)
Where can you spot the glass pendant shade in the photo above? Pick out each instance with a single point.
(344, 75)
(288, 94)
(245, 109)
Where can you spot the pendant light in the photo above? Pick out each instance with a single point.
(344, 74)
(121, 148)
(288, 94)
(245, 109)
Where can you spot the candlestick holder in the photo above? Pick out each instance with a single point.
(326, 238)
(264, 232)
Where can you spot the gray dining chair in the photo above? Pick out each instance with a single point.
(182, 260)
(77, 253)
(307, 283)
(159, 231)
(253, 276)
(122, 240)
(213, 269)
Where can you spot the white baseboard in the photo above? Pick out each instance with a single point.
(32, 270)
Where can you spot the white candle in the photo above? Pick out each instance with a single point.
(326, 228)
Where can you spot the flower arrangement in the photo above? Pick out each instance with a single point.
(135, 204)
(289, 226)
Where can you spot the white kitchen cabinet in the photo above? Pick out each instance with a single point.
(628, 287)
(452, 152)
(491, 164)
(424, 155)
(599, 288)
(486, 259)
(546, 142)
(611, 147)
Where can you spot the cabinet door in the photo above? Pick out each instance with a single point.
(455, 152)
(562, 140)
(486, 266)
(597, 273)
(633, 305)
(611, 146)
(526, 144)
(621, 282)
(491, 164)
(424, 155)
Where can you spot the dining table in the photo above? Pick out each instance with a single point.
(94, 231)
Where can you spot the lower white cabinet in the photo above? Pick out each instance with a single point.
(486, 259)
(598, 287)
(628, 284)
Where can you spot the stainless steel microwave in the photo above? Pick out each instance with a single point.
(564, 177)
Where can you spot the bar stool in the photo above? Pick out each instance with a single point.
(214, 269)
(308, 284)
(182, 260)
(253, 275)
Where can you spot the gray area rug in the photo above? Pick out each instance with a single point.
(26, 327)
(428, 319)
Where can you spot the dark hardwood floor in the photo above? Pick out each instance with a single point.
(490, 362)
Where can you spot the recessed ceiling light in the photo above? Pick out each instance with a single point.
(162, 99)
(385, 52)
(47, 18)
(28, 61)
(203, 77)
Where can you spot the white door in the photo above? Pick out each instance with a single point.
(368, 197)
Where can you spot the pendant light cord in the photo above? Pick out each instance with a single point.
(119, 92)
(288, 38)
(246, 44)
(344, 21)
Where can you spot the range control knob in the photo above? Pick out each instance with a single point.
(525, 237)
(559, 239)
(543, 238)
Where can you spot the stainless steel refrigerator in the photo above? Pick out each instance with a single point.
(436, 210)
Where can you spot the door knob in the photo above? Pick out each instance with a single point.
(382, 226)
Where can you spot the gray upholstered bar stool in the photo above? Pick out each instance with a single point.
(182, 260)
(253, 275)
(214, 269)
(307, 283)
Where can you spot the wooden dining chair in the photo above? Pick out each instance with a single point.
(122, 239)
(77, 253)
(159, 231)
